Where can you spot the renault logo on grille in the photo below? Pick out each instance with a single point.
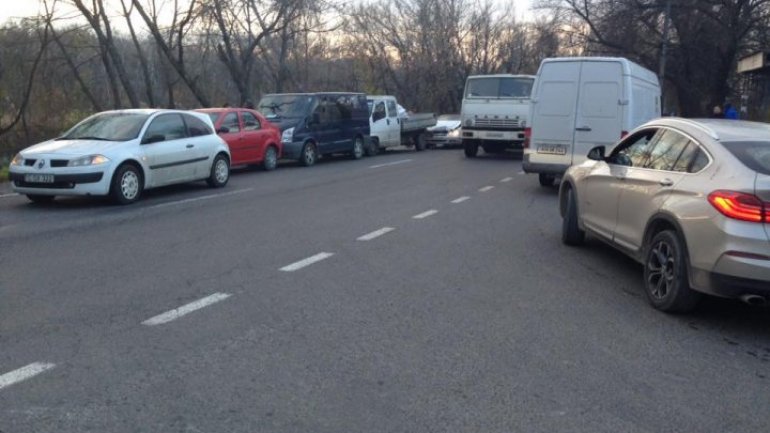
(41, 164)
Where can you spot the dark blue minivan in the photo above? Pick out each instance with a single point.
(314, 124)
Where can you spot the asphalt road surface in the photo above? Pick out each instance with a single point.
(409, 292)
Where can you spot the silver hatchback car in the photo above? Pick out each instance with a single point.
(689, 199)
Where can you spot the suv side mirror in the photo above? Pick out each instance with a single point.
(154, 139)
(597, 153)
(223, 130)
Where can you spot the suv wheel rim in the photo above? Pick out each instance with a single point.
(220, 171)
(129, 185)
(309, 155)
(271, 158)
(359, 148)
(661, 266)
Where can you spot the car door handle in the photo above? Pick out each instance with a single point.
(190, 146)
(583, 128)
(666, 182)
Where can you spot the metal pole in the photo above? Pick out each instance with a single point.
(663, 50)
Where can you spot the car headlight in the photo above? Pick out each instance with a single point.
(17, 160)
(88, 160)
(287, 136)
(454, 133)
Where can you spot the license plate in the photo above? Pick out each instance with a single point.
(553, 149)
(495, 134)
(38, 178)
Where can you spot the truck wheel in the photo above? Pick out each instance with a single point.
(546, 179)
(373, 148)
(471, 149)
(419, 142)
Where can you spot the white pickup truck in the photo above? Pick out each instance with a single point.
(390, 127)
(495, 112)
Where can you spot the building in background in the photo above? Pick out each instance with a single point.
(754, 74)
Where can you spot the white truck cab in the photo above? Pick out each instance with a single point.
(582, 102)
(495, 112)
(390, 125)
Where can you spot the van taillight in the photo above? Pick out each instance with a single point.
(740, 206)
(527, 137)
(623, 134)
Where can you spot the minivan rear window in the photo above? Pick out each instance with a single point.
(753, 154)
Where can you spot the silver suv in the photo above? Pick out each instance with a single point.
(689, 199)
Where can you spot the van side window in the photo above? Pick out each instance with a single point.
(667, 150)
(634, 150)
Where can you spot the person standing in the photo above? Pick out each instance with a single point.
(716, 113)
(730, 112)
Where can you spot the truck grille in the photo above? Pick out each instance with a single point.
(497, 123)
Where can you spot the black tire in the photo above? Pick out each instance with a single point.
(665, 274)
(570, 230)
(127, 184)
(546, 179)
(471, 149)
(220, 172)
(270, 162)
(309, 155)
(419, 142)
(358, 148)
(40, 199)
(373, 148)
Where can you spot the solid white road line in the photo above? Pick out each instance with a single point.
(521, 172)
(203, 197)
(506, 179)
(486, 188)
(306, 262)
(461, 199)
(401, 161)
(425, 214)
(375, 234)
(13, 194)
(186, 309)
(24, 373)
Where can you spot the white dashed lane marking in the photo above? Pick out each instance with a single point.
(186, 309)
(486, 188)
(203, 197)
(24, 373)
(461, 199)
(375, 234)
(387, 164)
(306, 262)
(506, 179)
(425, 214)
(13, 194)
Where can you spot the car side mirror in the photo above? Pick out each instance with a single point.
(154, 139)
(223, 130)
(597, 153)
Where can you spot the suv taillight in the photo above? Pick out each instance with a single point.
(740, 206)
(527, 137)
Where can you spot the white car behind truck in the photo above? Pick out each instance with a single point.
(390, 127)
(579, 103)
(495, 112)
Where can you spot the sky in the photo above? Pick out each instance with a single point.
(26, 8)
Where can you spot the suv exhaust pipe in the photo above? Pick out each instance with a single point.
(754, 300)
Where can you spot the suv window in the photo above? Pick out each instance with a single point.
(170, 126)
(196, 127)
(692, 159)
(753, 154)
(634, 150)
(250, 121)
(666, 150)
(231, 122)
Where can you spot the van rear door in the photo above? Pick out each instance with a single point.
(553, 113)
(599, 118)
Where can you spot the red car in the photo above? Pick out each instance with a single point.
(252, 138)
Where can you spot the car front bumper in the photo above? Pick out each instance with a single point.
(67, 180)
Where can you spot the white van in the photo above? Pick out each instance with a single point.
(582, 102)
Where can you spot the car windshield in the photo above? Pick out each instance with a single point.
(753, 154)
(499, 87)
(113, 126)
(272, 106)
